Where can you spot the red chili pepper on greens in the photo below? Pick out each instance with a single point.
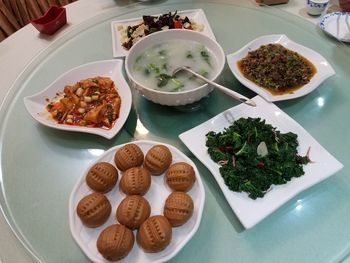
(261, 165)
(177, 24)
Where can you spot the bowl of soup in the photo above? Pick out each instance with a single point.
(152, 60)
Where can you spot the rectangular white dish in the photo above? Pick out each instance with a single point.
(196, 15)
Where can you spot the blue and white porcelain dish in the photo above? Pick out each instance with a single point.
(337, 24)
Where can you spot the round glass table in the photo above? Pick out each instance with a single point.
(39, 165)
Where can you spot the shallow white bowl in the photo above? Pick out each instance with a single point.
(324, 69)
(173, 98)
(36, 104)
(156, 196)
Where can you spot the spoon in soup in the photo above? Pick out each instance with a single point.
(223, 89)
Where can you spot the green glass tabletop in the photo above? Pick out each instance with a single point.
(39, 165)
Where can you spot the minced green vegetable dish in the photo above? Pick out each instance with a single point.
(254, 155)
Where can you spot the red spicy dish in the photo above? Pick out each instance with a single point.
(92, 102)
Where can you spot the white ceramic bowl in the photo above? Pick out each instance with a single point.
(181, 97)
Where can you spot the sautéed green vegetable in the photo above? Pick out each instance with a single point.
(254, 155)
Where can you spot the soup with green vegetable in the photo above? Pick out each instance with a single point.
(155, 66)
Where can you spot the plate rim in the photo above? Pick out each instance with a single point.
(327, 69)
(108, 134)
(120, 52)
(244, 219)
(72, 215)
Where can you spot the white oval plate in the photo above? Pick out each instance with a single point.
(196, 15)
(249, 211)
(324, 69)
(36, 103)
(337, 24)
(157, 194)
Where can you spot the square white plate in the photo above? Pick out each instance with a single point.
(249, 211)
(196, 15)
(324, 69)
(36, 104)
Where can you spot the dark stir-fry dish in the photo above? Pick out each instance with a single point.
(277, 68)
(254, 155)
(92, 102)
(150, 24)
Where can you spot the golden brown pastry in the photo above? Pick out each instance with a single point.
(102, 177)
(94, 209)
(133, 211)
(135, 181)
(154, 234)
(130, 155)
(158, 159)
(178, 208)
(180, 176)
(115, 242)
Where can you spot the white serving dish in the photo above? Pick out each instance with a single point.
(180, 97)
(36, 103)
(249, 211)
(324, 69)
(337, 24)
(196, 15)
(157, 194)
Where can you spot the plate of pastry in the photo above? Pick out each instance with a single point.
(138, 202)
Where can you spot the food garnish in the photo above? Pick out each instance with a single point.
(150, 24)
(254, 155)
(277, 69)
(92, 102)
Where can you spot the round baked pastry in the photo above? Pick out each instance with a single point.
(178, 208)
(94, 209)
(180, 176)
(135, 181)
(158, 159)
(130, 155)
(115, 242)
(133, 211)
(154, 234)
(102, 177)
